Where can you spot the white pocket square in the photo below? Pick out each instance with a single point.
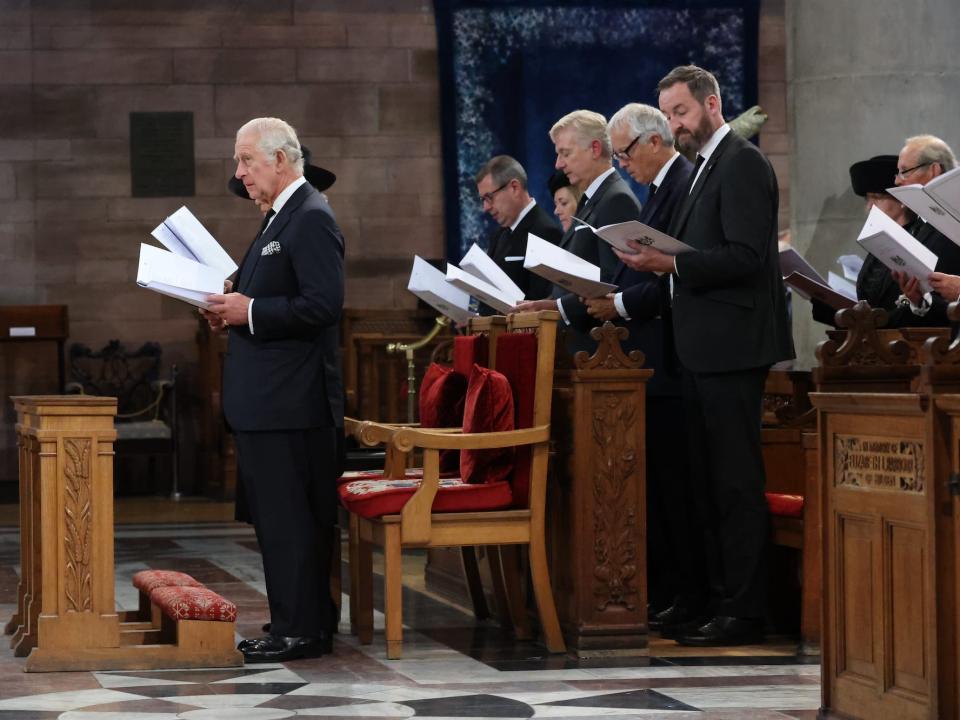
(271, 248)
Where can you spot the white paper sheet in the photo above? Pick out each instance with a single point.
(842, 286)
(184, 235)
(564, 268)
(431, 286)
(618, 234)
(851, 265)
(793, 262)
(176, 276)
(918, 199)
(478, 263)
(490, 294)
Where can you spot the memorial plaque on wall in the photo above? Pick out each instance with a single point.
(161, 154)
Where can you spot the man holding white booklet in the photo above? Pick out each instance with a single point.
(923, 159)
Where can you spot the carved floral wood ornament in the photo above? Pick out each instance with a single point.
(862, 344)
(615, 529)
(609, 355)
(78, 539)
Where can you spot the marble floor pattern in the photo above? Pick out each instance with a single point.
(453, 666)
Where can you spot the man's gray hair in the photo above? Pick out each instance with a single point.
(933, 150)
(587, 126)
(642, 121)
(276, 135)
(502, 169)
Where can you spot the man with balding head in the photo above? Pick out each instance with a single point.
(282, 392)
(502, 187)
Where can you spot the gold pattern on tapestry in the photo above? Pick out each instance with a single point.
(614, 518)
(78, 538)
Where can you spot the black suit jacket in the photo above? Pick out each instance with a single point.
(613, 202)
(513, 244)
(729, 305)
(286, 375)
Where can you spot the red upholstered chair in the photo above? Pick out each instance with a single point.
(500, 496)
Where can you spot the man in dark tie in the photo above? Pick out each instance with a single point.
(584, 154)
(502, 187)
(730, 324)
(643, 146)
(282, 392)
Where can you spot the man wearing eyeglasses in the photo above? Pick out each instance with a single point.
(923, 158)
(502, 187)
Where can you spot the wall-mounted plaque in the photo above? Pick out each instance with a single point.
(879, 463)
(161, 154)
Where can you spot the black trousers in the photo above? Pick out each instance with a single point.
(289, 478)
(724, 412)
(674, 544)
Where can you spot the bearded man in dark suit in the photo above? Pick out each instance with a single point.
(502, 187)
(730, 324)
(282, 389)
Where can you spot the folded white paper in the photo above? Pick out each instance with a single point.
(809, 288)
(183, 234)
(564, 268)
(842, 286)
(176, 276)
(793, 262)
(937, 202)
(490, 294)
(478, 263)
(431, 286)
(851, 265)
(618, 234)
(883, 238)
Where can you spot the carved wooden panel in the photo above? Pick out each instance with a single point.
(855, 557)
(78, 524)
(905, 622)
(615, 532)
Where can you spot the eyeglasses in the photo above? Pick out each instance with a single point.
(902, 174)
(488, 197)
(624, 154)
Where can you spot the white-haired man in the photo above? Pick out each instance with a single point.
(923, 158)
(584, 154)
(282, 391)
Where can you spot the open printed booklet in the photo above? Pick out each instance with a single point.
(619, 234)
(835, 291)
(480, 276)
(193, 266)
(900, 251)
(937, 202)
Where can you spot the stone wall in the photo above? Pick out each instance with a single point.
(357, 78)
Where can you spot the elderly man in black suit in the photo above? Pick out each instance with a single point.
(282, 391)
(730, 323)
(643, 146)
(502, 187)
(584, 154)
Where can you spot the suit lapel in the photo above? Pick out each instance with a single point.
(687, 203)
(588, 209)
(279, 222)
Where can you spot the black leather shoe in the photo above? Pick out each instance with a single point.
(676, 614)
(274, 648)
(672, 632)
(724, 630)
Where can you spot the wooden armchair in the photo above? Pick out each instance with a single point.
(498, 508)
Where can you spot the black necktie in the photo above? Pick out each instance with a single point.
(247, 263)
(653, 189)
(696, 173)
(266, 221)
(581, 204)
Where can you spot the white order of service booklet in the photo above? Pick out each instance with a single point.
(900, 251)
(618, 235)
(937, 202)
(477, 262)
(193, 266)
(431, 286)
(565, 269)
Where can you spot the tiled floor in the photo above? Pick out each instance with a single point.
(452, 666)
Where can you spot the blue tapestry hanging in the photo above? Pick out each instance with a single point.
(509, 69)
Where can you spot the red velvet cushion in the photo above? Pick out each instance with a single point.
(469, 350)
(517, 360)
(148, 580)
(193, 603)
(442, 395)
(375, 498)
(489, 408)
(785, 505)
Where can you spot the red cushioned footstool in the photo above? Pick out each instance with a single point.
(193, 603)
(146, 581)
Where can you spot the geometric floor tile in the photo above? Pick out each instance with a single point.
(492, 706)
(634, 700)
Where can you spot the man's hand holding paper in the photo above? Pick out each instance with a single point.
(231, 308)
(646, 258)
